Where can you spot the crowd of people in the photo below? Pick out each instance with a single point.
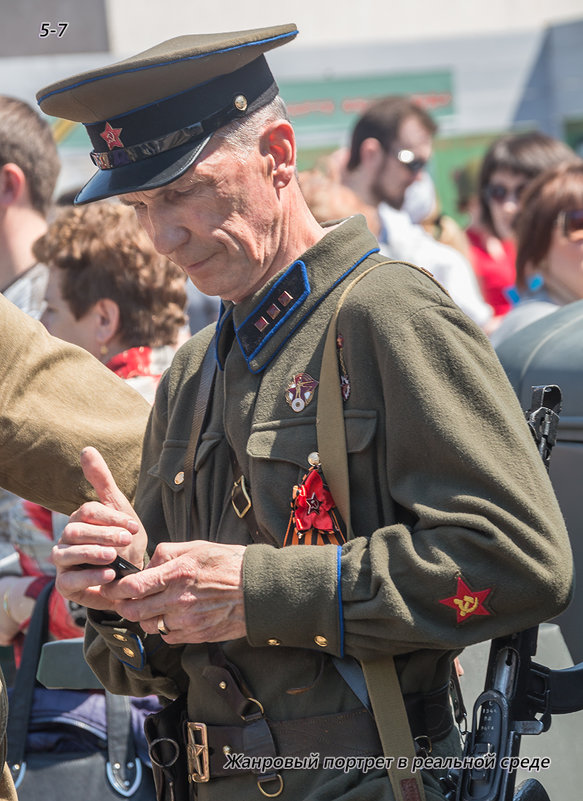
(222, 204)
(384, 175)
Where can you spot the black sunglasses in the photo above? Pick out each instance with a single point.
(571, 223)
(407, 159)
(500, 193)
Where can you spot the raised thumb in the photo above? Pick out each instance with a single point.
(99, 476)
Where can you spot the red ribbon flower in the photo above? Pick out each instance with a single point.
(312, 504)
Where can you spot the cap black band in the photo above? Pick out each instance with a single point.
(168, 123)
(194, 133)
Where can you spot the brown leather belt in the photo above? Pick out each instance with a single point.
(345, 734)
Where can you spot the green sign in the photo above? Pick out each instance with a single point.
(324, 110)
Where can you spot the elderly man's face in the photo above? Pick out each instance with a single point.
(393, 178)
(217, 222)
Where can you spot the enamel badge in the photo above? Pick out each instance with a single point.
(467, 602)
(111, 136)
(301, 391)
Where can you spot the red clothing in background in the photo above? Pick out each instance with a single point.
(495, 275)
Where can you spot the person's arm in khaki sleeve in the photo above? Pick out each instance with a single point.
(55, 399)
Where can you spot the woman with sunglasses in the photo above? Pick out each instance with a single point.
(549, 259)
(509, 164)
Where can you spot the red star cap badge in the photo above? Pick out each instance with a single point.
(111, 136)
(467, 602)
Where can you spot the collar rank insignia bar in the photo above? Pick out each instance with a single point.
(301, 391)
(467, 602)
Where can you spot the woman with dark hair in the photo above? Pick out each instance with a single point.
(510, 163)
(549, 259)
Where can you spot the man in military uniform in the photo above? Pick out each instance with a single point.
(457, 535)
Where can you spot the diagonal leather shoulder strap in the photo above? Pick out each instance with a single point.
(208, 371)
(381, 676)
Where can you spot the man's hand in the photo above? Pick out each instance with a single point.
(96, 533)
(194, 587)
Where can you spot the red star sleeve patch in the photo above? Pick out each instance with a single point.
(467, 602)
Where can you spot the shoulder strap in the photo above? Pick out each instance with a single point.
(24, 683)
(381, 676)
(330, 415)
(208, 371)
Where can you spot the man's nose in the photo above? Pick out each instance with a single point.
(166, 234)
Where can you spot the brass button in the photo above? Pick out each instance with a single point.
(128, 652)
(179, 477)
(223, 685)
(120, 637)
(273, 641)
(226, 750)
(320, 640)
(241, 103)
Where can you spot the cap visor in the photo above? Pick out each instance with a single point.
(142, 175)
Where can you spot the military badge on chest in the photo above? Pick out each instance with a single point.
(314, 519)
(301, 391)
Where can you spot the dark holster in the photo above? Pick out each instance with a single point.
(163, 732)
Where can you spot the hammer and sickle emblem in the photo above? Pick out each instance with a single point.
(467, 604)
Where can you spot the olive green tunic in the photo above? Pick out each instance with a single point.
(445, 483)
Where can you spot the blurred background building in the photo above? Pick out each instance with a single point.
(482, 67)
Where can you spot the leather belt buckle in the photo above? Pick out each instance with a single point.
(240, 499)
(197, 752)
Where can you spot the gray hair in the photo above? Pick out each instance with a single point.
(241, 136)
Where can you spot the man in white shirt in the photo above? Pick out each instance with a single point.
(391, 145)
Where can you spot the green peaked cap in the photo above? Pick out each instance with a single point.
(150, 115)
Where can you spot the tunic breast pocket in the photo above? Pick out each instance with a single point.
(209, 499)
(278, 453)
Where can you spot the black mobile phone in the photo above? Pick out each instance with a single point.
(121, 566)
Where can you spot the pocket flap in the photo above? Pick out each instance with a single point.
(170, 466)
(292, 441)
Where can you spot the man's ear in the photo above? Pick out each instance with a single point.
(107, 320)
(278, 143)
(12, 184)
(371, 153)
